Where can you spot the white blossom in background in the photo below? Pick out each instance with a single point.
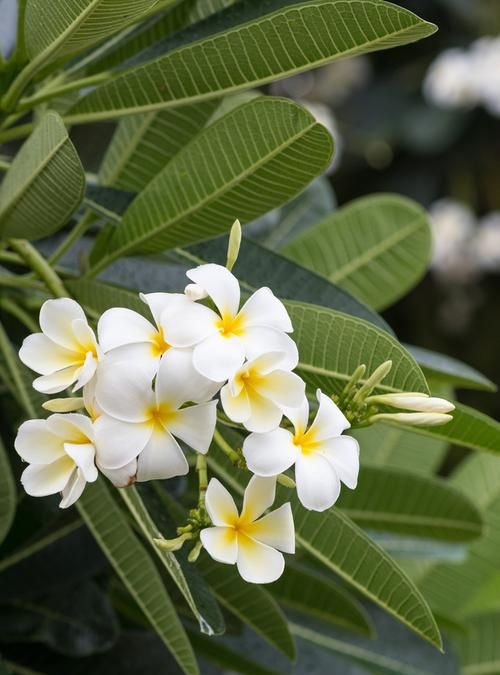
(66, 352)
(485, 58)
(487, 243)
(60, 451)
(250, 540)
(453, 230)
(325, 116)
(321, 455)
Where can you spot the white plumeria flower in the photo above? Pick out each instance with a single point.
(322, 457)
(257, 393)
(65, 352)
(139, 423)
(222, 340)
(61, 454)
(251, 541)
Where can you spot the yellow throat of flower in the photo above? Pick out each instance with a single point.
(229, 325)
(158, 344)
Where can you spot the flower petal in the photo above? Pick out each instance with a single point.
(56, 319)
(57, 382)
(44, 356)
(283, 388)
(275, 529)
(179, 382)
(161, 302)
(71, 427)
(124, 391)
(83, 455)
(122, 477)
(120, 326)
(258, 563)
(299, 416)
(329, 422)
(161, 458)
(259, 496)
(118, 443)
(36, 443)
(86, 372)
(195, 425)
(218, 357)
(343, 454)
(84, 335)
(237, 408)
(143, 355)
(220, 284)
(220, 504)
(259, 340)
(221, 543)
(265, 415)
(73, 489)
(189, 325)
(318, 486)
(270, 454)
(264, 309)
(40, 480)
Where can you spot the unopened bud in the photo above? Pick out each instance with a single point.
(195, 292)
(173, 545)
(417, 419)
(63, 405)
(375, 378)
(413, 401)
(286, 481)
(233, 248)
(194, 554)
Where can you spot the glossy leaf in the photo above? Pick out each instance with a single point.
(230, 60)
(7, 494)
(376, 248)
(32, 204)
(136, 570)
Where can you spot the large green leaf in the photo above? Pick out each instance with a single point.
(7, 494)
(220, 176)
(393, 500)
(265, 47)
(32, 204)
(376, 247)
(479, 648)
(341, 546)
(322, 334)
(136, 570)
(229, 660)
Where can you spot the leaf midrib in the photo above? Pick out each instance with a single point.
(390, 517)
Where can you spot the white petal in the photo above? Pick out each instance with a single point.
(270, 454)
(56, 319)
(220, 504)
(343, 454)
(329, 422)
(221, 544)
(124, 391)
(71, 427)
(64, 405)
(44, 356)
(265, 362)
(264, 309)
(283, 388)
(258, 563)
(118, 443)
(237, 408)
(73, 489)
(84, 335)
(189, 325)
(120, 326)
(299, 416)
(40, 480)
(161, 458)
(179, 382)
(258, 340)
(143, 355)
(86, 372)
(122, 477)
(318, 486)
(195, 425)
(89, 399)
(265, 415)
(259, 496)
(220, 284)
(219, 357)
(276, 529)
(57, 382)
(161, 302)
(83, 455)
(37, 444)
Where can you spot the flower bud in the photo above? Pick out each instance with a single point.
(63, 405)
(413, 401)
(286, 481)
(233, 248)
(195, 292)
(417, 419)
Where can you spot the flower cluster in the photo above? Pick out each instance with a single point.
(150, 388)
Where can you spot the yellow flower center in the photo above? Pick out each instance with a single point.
(230, 325)
(305, 441)
(159, 345)
(159, 416)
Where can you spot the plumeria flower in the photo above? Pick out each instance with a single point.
(250, 540)
(61, 454)
(65, 352)
(222, 339)
(322, 457)
(140, 423)
(258, 391)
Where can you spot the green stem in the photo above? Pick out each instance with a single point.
(8, 256)
(40, 266)
(48, 93)
(21, 314)
(11, 364)
(15, 281)
(20, 55)
(21, 131)
(201, 468)
(78, 231)
(226, 448)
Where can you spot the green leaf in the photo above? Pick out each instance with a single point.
(376, 248)
(150, 529)
(32, 204)
(136, 569)
(385, 445)
(447, 370)
(219, 176)
(7, 494)
(322, 334)
(99, 296)
(309, 591)
(252, 604)
(61, 29)
(392, 500)
(479, 649)
(258, 51)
